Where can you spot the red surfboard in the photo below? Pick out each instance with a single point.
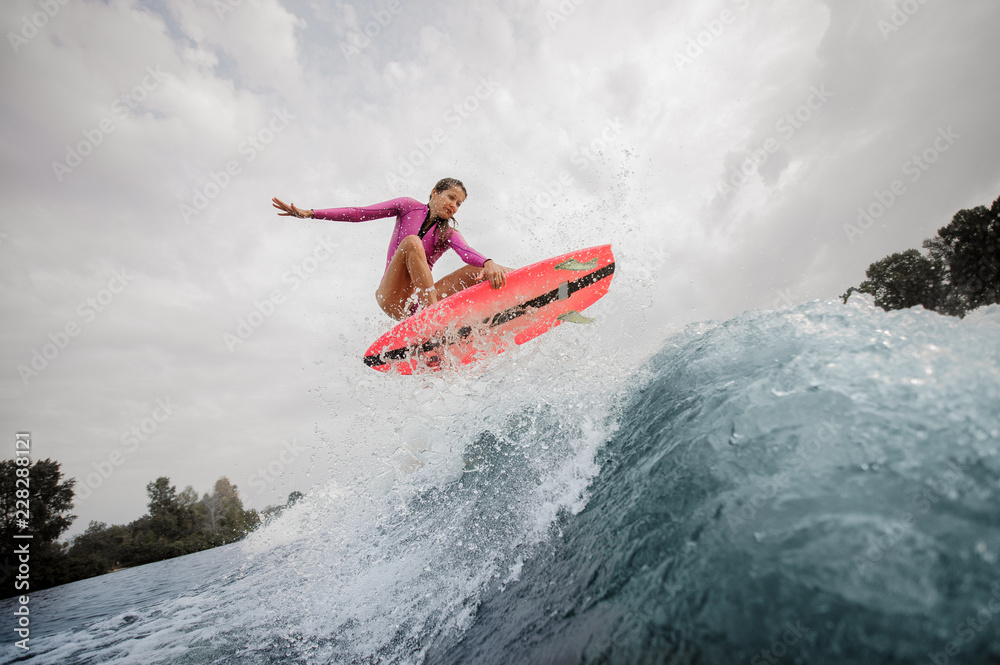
(482, 321)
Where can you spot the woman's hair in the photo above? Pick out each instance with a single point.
(445, 227)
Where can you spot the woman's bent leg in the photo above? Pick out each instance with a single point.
(459, 280)
(408, 273)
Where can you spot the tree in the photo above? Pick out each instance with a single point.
(970, 248)
(236, 521)
(950, 301)
(961, 271)
(190, 511)
(98, 550)
(904, 279)
(50, 498)
(226, 518)
(162, 497)
(171, 515)
(211, 509)
(177, 524)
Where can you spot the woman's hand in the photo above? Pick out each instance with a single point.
(495, 273)
(289, 209)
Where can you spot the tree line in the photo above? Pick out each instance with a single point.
(176, 523)
(959, 271)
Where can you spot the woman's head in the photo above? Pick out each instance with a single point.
(446, 197)
(444, 184)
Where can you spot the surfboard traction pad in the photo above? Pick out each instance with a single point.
(429, 348)
(573, 264)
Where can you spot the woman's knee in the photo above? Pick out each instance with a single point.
(412, 244)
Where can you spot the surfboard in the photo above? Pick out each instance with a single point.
(481, 321)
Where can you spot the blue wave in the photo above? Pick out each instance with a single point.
(816, 485)
(812, 485)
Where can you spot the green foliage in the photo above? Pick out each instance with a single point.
(178, 523)
(225, 517)
(970, 246)
(960, 272)
(50, 498)
(903, 279)
(98, 550)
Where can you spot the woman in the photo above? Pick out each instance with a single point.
(423, 233)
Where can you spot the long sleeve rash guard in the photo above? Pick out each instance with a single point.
(410, 215)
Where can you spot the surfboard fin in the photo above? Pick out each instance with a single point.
(573, 316)
(573, 264)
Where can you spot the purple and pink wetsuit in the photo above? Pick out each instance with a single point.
(410, 216)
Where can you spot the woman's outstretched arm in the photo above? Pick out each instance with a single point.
(395, 207)
(289, 209)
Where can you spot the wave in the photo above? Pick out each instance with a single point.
(818, 485)
(815, 484)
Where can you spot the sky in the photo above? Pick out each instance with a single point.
(736, 154)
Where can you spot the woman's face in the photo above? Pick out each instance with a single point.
(447, 203)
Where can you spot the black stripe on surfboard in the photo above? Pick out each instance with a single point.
(562, 292)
